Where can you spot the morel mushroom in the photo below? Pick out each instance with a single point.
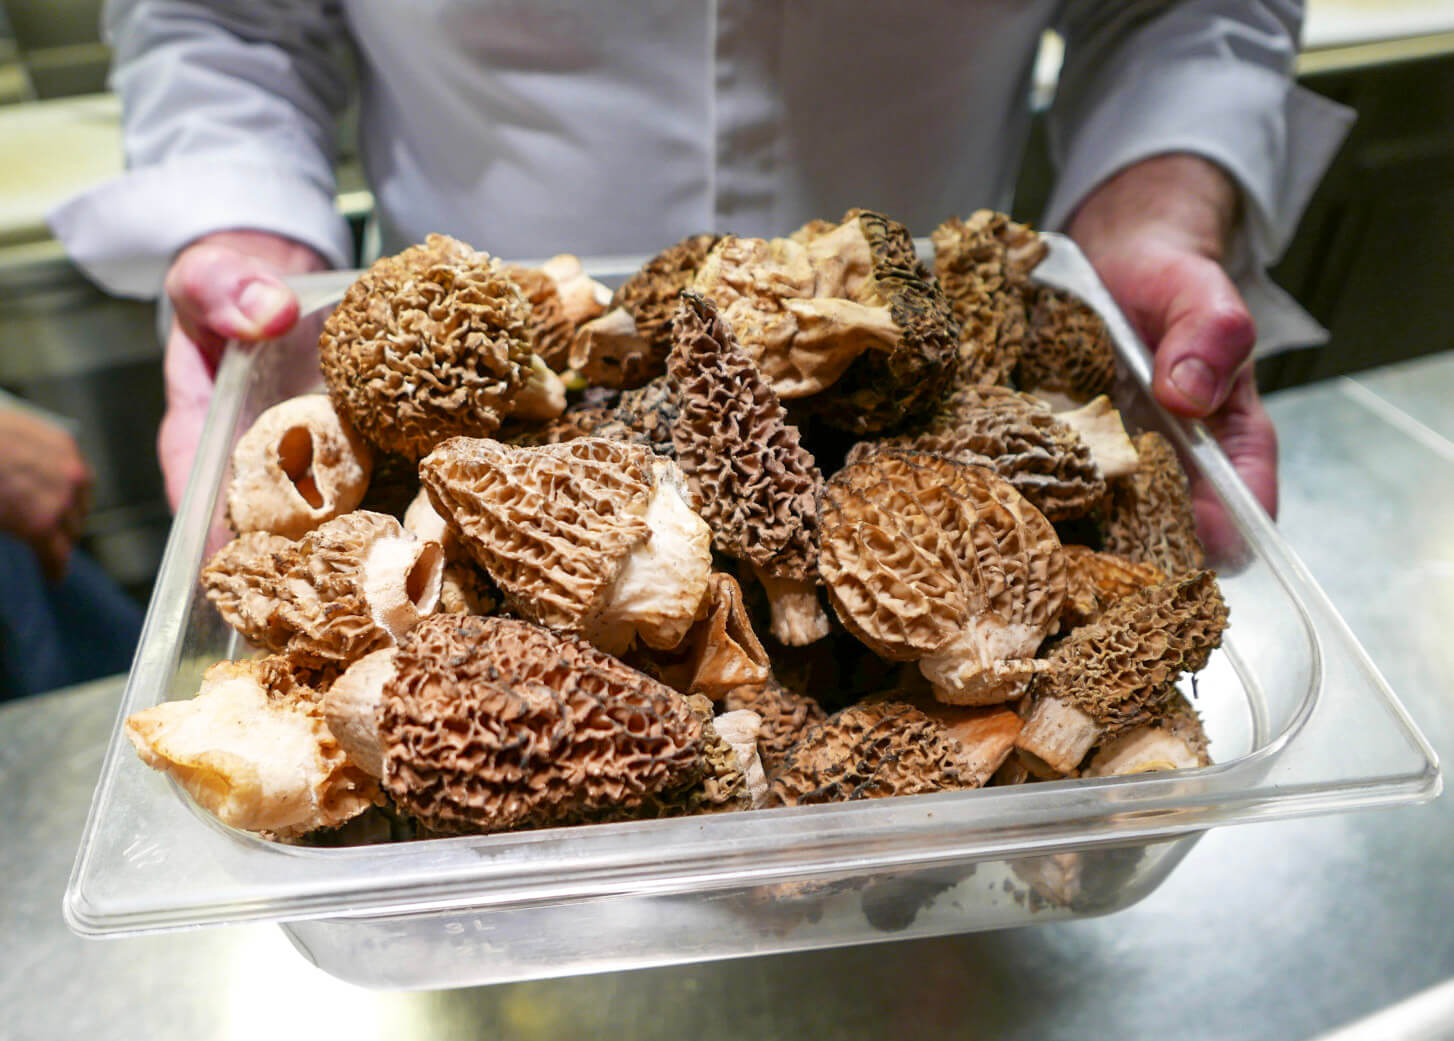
(252, 748)
(929, 560)
(1174, 740)
(628, 345)
(350, 586)
(1116, 672)
(984, 265)
(1096, 580)
(756, 483)
(1069, 350)
(720, 653)
(297, 466)
(869, 751)
(562, 298)
(463, 588)
(493, 723)
(784, 717)
(1019, 438)
(902, 377)
(432, 343)
(1148, 516)
(591, 536)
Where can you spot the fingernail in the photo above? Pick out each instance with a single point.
(261, 302)
(1195, 381)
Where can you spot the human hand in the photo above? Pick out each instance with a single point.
(1156, 233)
(45, 487)
(226, 285)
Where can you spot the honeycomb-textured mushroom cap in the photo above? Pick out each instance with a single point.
(1095, 580)
(297, 466)
(349, 586)
(590, 536)
(493, 723)
(902, 378)
(1119, 668)
(551, 331)
(429, 344)
(785, 717)
(1148, 516)
(984, 264)
(255, 751)
(628, 346)
(1019, 438)
(929, 560)
(1069, 350)
(756, 483)
(868, 751)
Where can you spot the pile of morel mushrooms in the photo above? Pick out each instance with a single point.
(778, 522)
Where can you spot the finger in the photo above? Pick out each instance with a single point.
(1246, 433)
(189, 390)
(1208, 335)
(53, 550)
(220, 293)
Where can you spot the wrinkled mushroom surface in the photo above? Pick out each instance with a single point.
(493, 723)
(784, 715)
(350, 586)
(1069, 350)
(254, 751)
(1148, 516)
(429, 344)
(929, 560)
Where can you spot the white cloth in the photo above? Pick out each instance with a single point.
(528, 127)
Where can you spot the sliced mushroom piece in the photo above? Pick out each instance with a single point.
(297, 466)
(491, 724)
(429, 344)
(350, 586)
(464, 588)
(929, 560)
(591, 536)
(1118, 671)
(756, 483)
(254, 750)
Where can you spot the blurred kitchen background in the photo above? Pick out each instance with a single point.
(1372, 260)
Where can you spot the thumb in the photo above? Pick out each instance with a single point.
(219, 293)
(1207, 334)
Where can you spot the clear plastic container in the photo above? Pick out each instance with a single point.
(1300, 722)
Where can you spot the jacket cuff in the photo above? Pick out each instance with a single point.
(125, 232)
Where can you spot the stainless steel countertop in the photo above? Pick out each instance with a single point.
(1282, 930)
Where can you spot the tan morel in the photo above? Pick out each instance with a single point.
(490, 724)
(784, 715)
(869, 751)
(1119, 670)
(929, 560)
(1096, 580)
(352, 585)
(1018, 437)
(253, 749)
(591, 536)
(984, 265)
(756, 483)
(1069, 351)
(432, 343)
(562, 298)
(1174, 740)
(1148, 516)
(628, 345)
(297, 466)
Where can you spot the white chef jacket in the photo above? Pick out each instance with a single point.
(530, 127)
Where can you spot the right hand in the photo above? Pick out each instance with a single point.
(223, 286)
(45, 488)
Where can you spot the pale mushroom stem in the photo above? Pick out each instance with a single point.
(401, 582)
(1099, 425)
(1056, 738)
(1143, 749)
(972, 669)
(351, 709)
(542, 396)
(798, 618)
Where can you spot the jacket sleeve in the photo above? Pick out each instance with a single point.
(229, 113)
(1209, 77)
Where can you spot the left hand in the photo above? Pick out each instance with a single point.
(1155, 233)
